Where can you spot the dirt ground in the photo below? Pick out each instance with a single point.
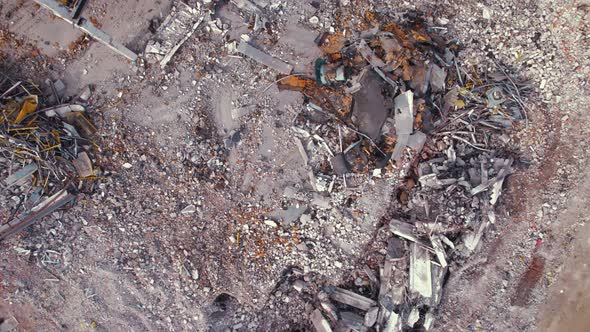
(126, 258)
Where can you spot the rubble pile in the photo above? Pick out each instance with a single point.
(45, 152)
(393, 100)
(176, 29)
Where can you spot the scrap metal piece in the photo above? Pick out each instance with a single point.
(420, 272)
(386, 79)
(88, 28)
(368, 54)
(21, 176)
(496, 191)
(432, 181)
(38, 212)
(420, 79)
(352, 299)
(264, 59)
(504, 171)
(85, 94)
(78, 8)
(355, 81)
(372, 277)
(391, 295)
(319, 322)
(495, 96)
(14, 86)
(437, 78)
(82, 124)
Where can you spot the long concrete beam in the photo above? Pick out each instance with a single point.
(88, 28)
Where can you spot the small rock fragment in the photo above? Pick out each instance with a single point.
(270, 223)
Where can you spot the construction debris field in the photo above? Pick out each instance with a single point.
(262, 165)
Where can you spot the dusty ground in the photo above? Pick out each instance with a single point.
(125, 257)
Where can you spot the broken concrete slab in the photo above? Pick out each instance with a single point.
(417, 140)
(83, 165)
(439, 250)
(404, 113)
(352, 299)
(352, 321)
(371, 317)
(413, 317)
(368, 54)
(369, 106)
(247, 5)
(420, 272)
(320, 323)
(87, 27)
(393, 323)
(438, 278)
(403, 229)
(264, 59)
(339, 164)
(288, 215)
(330, 309)
(301, 150)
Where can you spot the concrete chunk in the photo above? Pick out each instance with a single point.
(393, 323)
(319, 322)
(264, 59)
(403, 230)
(352, 299)
(352, 321)
(420, 272)
(404, 113)
(371, 316)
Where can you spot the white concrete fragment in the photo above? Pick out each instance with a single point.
(420, 272)
(264, 59)
(414, 317)
(319, 322)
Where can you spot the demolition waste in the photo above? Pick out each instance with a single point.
(389, 99)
